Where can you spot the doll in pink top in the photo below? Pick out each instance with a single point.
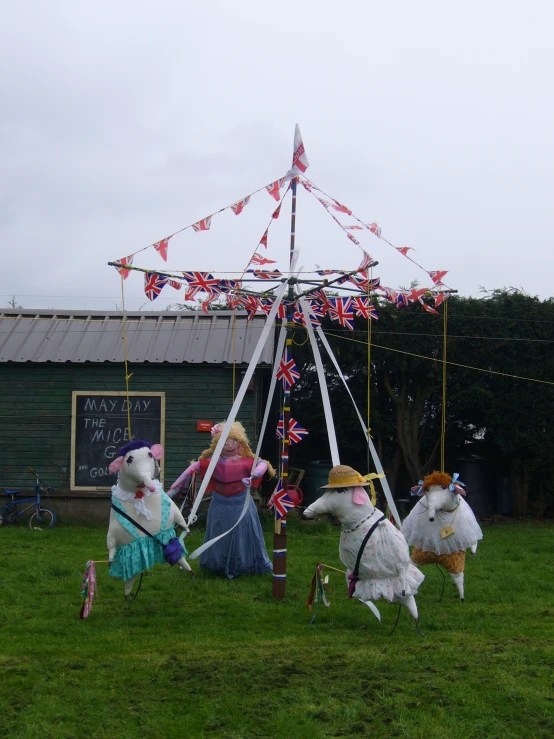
(243, 550)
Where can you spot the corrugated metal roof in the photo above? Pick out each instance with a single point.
(96, 336)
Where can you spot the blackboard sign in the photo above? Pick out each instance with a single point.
(99, 430)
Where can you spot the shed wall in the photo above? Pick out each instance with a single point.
(35, 412)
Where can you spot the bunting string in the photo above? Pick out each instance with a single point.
(436, 275)
(203, 224)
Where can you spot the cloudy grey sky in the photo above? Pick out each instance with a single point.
(123, 121)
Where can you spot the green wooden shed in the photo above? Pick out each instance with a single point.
(63, 398)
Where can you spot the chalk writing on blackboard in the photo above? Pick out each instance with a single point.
(100, 428)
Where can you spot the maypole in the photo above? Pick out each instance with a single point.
(280, 531)
(296, 299)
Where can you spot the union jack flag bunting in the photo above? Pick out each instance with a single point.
(296, 431)
(341, 208)
(204, 224)
(277, 212)
(263, 240)
(274, 188)
(251, 305)
(266, 274)
(390, 294)
(402, 299)
(321, 296)
(363, 308)
(362, 282)
(308, 186)
(280, 502)
(298, 317)
(288, 372)
(341, 310)
(428, 307)
(225, 286)
(325, 203)
(237, 208)
(352, 238)
(437, 275)
(153, 285)
(258, 259)
(404, 249)
(174, 284)
(440, 298)
(206, 303)
(123, 261)
(375, 229)
(266, 304)
(161, 247)
(354, 228)
(367, 262)
(202, 280)
(415, 294)
(191, 293)
(233, 301)
(317, 309)
(323, 272)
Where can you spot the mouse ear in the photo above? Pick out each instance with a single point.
(157, 451)
(360, 497)
(115, 466)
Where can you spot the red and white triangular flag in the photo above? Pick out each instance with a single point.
(237, 208)
(300, 161)
(437, 275)
(161, 247)
(204, 224)
(404, 249)
(123, 261)
(275, 187)
(258, 259)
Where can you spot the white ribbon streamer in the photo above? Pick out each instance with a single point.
(322, 384)
(373, 451)
(277, 362)
(230, 419)
(208, 544)
(373, 608)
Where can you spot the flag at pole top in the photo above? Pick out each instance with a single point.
(300, 161)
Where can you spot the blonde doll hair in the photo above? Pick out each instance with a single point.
(237, 433)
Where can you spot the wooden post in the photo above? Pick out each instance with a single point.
(280, 532)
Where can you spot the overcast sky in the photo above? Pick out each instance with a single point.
(123, 121)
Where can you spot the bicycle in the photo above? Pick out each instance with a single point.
(40, 518)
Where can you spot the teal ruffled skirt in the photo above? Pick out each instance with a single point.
(140, 554)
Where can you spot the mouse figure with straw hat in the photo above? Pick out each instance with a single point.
(374, 551)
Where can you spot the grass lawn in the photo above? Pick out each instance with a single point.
(222, 659)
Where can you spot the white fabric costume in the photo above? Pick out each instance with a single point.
(425, 535)
(385, 550)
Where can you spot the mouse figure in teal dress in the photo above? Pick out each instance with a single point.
(140, 497)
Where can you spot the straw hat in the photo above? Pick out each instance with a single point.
(343, 476)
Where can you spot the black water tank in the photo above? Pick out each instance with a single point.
(473, 472)
(503, 496)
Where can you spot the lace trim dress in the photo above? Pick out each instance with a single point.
(383, 553)
(425, 535)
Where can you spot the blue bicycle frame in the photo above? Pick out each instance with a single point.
(40, 518)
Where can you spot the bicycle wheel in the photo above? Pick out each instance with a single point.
(8, 516)
(44, 518)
